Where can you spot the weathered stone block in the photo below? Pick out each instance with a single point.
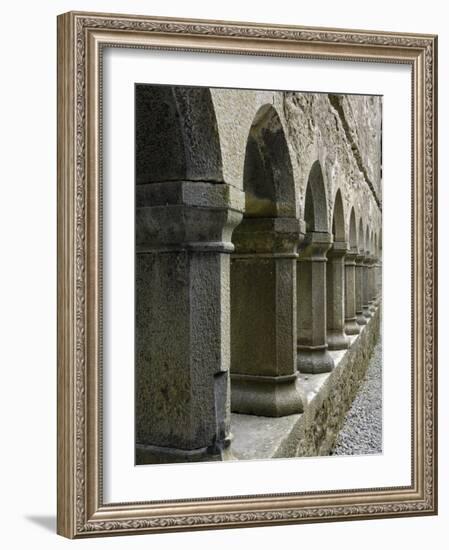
(263, 317)
(182, 321)
(313, 355)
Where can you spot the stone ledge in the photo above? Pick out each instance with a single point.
(326, 398)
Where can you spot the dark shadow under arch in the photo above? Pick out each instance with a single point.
(315, 210)
(338, 219)
(176, 135)
(268, 175)
(361, 243)
(367, 240)
(352, 231)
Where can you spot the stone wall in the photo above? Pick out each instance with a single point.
(342, 132)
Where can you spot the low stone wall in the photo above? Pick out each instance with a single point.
(327, 397)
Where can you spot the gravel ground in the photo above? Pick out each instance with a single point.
(362, 431)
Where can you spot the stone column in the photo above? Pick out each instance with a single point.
(366, 286)
(263, 317)
(359, 281)
(371, 279)
(183, 244)
(378, 271)
(351, 325)
(335, 288)
(313, 354)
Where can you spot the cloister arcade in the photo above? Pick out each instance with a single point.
(258, 254)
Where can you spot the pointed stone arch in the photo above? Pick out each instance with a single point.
(361, 238)
(338, 219)
(335, 278)
(367, 239)
(351, 325)
(352, 231)
(268, 179)
(263, 277)
(313, 354)
(315, 209)
(176, 135)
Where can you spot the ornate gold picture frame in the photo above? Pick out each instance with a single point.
(82, 39)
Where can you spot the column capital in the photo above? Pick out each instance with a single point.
(360, 257)
(315, 246)
(192, 215)
(339, 249)
(350, 257)
(369, 260)
(274, 236)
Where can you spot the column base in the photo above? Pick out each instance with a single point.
(155, 454)
(351, 326)
(314, 361)
(367, 312)
(361, 319)
(337, 340)
(272, 396)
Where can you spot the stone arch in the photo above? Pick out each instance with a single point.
(335, 279)
(176, 135)
(315, 209)
(268, 174)
(351, 325)
(367, 240)
(338, 219)
(263, 277)
(352, 230)
(313, 354)
(361, 239)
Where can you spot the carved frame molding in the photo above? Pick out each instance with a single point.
(81, 37)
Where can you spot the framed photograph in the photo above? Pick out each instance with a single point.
(247, 274)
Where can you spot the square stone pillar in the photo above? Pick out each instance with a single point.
(313, 355)
(366, 286)
(335, 274)
(378, 279)
(183, 245)
(371, 276)
(351, 325)
(359, 281)
(263, 317)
